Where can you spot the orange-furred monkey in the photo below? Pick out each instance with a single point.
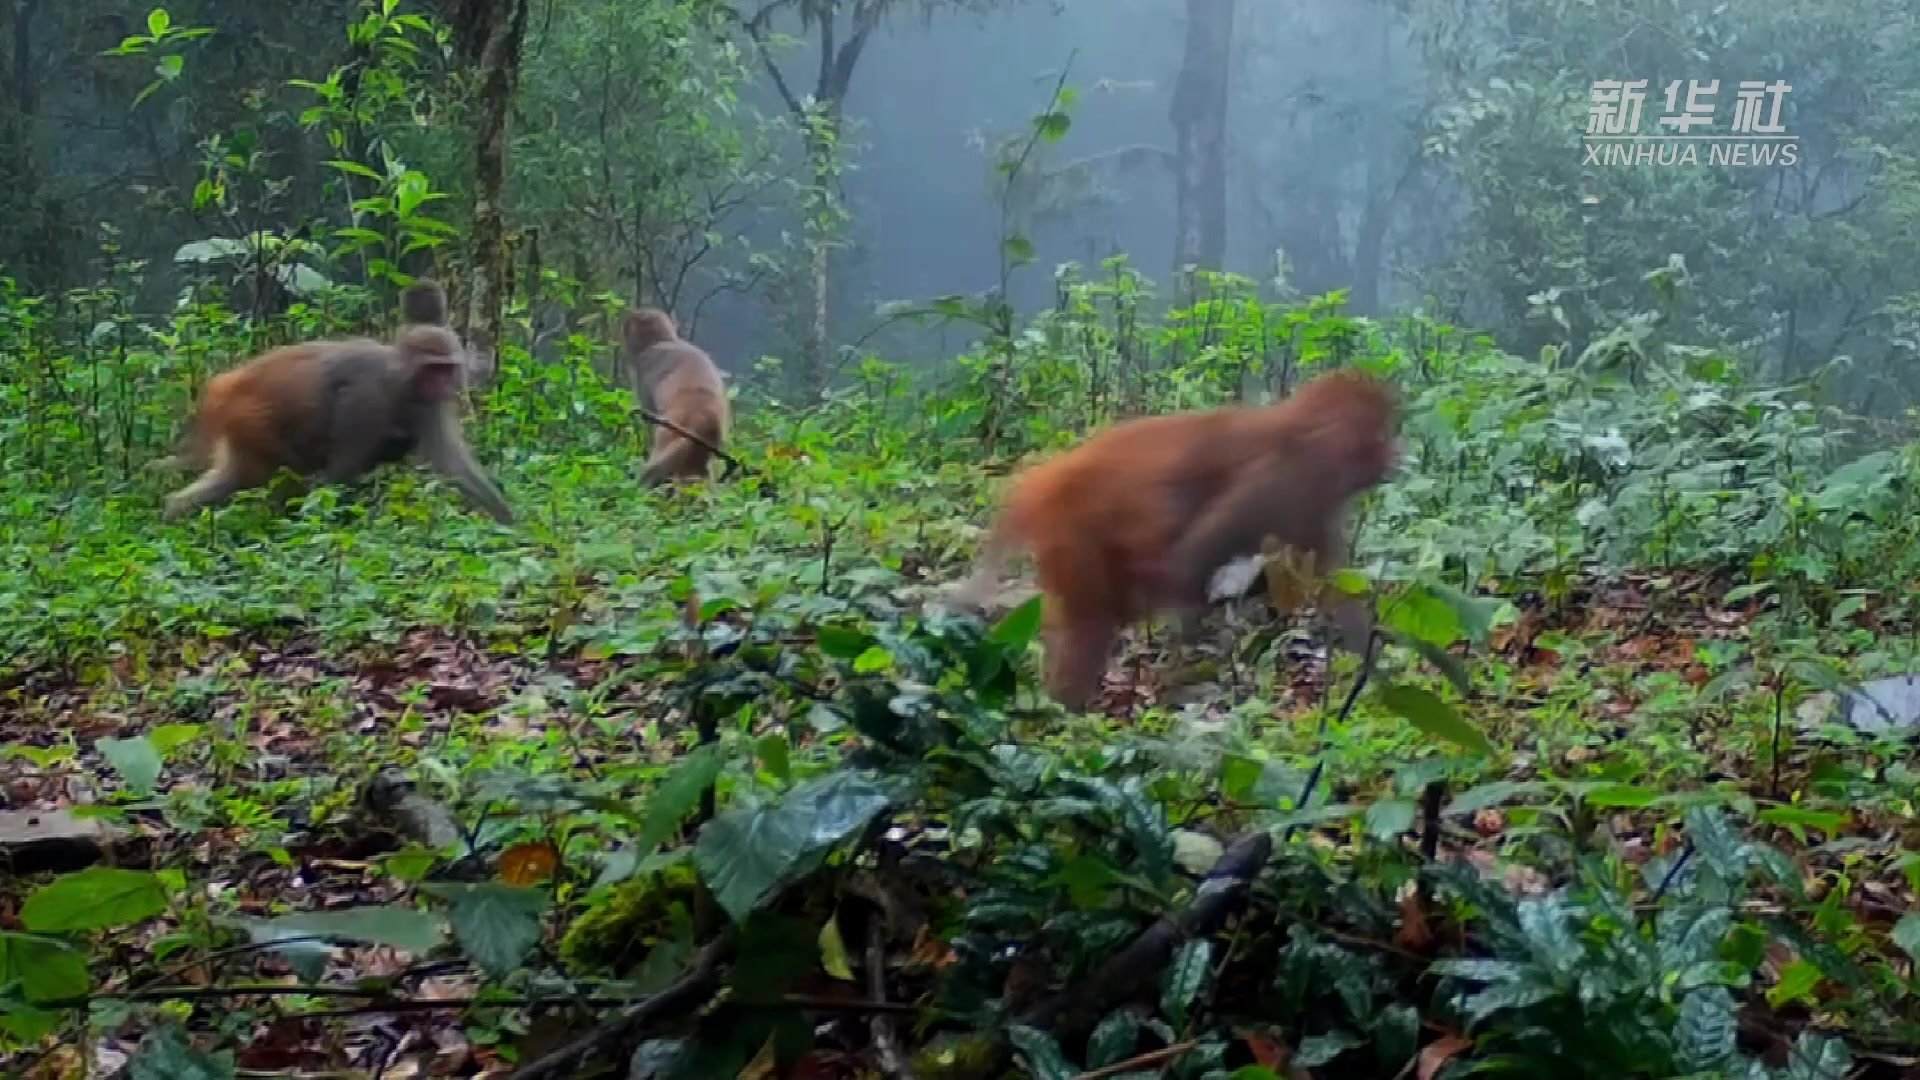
(678, 380)
(1138, 518)
(337, 409)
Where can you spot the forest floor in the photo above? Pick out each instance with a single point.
(259, 814)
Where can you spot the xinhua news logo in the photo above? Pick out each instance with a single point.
(1685, 133)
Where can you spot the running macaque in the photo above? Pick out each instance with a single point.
(1138, 518)
(337, 410)
(678, 380)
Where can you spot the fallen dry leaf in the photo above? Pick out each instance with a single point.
(529, 863)
(1440, 1051)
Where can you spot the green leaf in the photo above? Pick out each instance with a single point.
(1796, 818)
(348, 166)
(1317, 1050)
(1450, 665)
(166, 1054)
(1052, 126)
(1797, 982)
(1019, 250)
(833, 951)
(1040, 1054)
(1387, 819)
(495, 923)
(775, 755)
(47, 969)
(1419, 613)
(1114, 1040)
(135, 759)
(405, 928)
(97, 898)
(157, 22)
(1426, 711)
(1185, 978)
(167, 738)
(842, 642)
(677, 795)
(1906, 934)
(749, 853)
(1613, 795)
(1017, 629)
(874, 659)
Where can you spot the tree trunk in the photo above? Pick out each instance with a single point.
(23, 87)
(1199, 116)
(499, 68)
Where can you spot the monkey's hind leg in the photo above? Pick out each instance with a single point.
(675, 457)
(227, 475)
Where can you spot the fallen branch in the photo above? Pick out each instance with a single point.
(1147, 1060)
(696, 986)
(1073, 1012)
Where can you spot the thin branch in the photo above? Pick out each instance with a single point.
(733, 463)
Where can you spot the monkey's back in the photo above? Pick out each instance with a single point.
(679, 377)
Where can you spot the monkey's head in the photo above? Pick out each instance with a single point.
(646, 327)
(1354, 416)
(424, 303)
(436, 362)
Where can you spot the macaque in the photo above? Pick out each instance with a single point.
(1137, 519)
(337, 410)
(678, 380)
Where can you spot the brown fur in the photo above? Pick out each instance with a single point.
(1138, 518)
(337, 409)
(678, 380)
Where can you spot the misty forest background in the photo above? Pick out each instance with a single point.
(706, 782)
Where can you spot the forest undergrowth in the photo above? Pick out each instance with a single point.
(708, 783)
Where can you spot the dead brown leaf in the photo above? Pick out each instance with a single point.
(1440, 1051)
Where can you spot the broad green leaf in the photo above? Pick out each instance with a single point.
(405, 928)
(1426, 711)
(1387, 819)
(1797, 982)
(874, 659)
(48, 969)
(157, 22)
(1185, 978)
(1114, 1039)
(167, 738)
(496, 924)
(97, 898)
(1317, 1050)
(842, 642)
(1053, 125)
(1418, 613)
(165, 1053)
(677, 794)
(1613, 795)
(1906, 934)
(1040, 1054)
(775, 755)
(135, 759)
(833, 950)
(749, 852)
(1019, 250)
(1019, 627)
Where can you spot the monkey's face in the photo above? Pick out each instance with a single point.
(437, 362)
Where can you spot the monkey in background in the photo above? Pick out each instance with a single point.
(1138, 518)
(337, 410)
(678, 380)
